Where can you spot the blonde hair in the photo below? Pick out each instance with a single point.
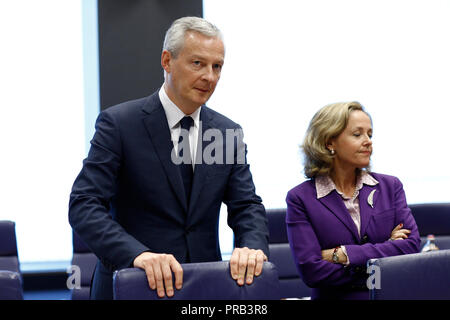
(327, 123)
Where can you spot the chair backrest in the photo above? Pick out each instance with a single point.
(8, 247)
(86, 261)
(291, 285)
(433, 218)
(201, 281)
(419, 276)
(10, 285)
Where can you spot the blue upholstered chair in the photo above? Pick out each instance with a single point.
(433, 218)
(8, 247)
(86, 261)
(10, 285)
(10, 275)
(419, 276)
(291, 285)
(201, 281)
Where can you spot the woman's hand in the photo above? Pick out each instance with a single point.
(399, 234)
(327, 255)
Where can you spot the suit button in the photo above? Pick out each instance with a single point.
(364, 239)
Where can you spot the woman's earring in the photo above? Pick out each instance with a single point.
(332, 152)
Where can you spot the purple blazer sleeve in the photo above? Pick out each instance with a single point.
(306, 248)
(359, 254)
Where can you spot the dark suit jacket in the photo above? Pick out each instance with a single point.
(129, 196)
(315, 224)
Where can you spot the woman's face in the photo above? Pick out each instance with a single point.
(353, 147)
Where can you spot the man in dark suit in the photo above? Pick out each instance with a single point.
(136, 205)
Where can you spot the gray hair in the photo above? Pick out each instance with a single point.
(174, 39)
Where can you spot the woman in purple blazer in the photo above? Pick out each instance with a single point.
(344, 214)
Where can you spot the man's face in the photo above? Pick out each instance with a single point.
(192, 76)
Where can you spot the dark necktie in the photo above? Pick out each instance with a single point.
(184, 152)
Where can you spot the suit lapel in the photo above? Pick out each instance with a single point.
(368, 195)
(156, 124)
(335, 204)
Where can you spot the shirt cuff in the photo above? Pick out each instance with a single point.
(345, 252)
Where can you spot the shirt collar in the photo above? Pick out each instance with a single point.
(173, 113)
(324, 184)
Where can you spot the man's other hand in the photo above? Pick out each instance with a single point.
(246, 261)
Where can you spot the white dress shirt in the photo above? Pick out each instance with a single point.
(174, 115)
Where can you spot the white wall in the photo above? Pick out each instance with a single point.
(286, 59)
(41, 123)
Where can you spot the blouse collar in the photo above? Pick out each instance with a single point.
(325, 185)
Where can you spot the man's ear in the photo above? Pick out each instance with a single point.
(166, 58)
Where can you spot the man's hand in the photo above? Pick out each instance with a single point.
(246, 260)
(159, 268)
